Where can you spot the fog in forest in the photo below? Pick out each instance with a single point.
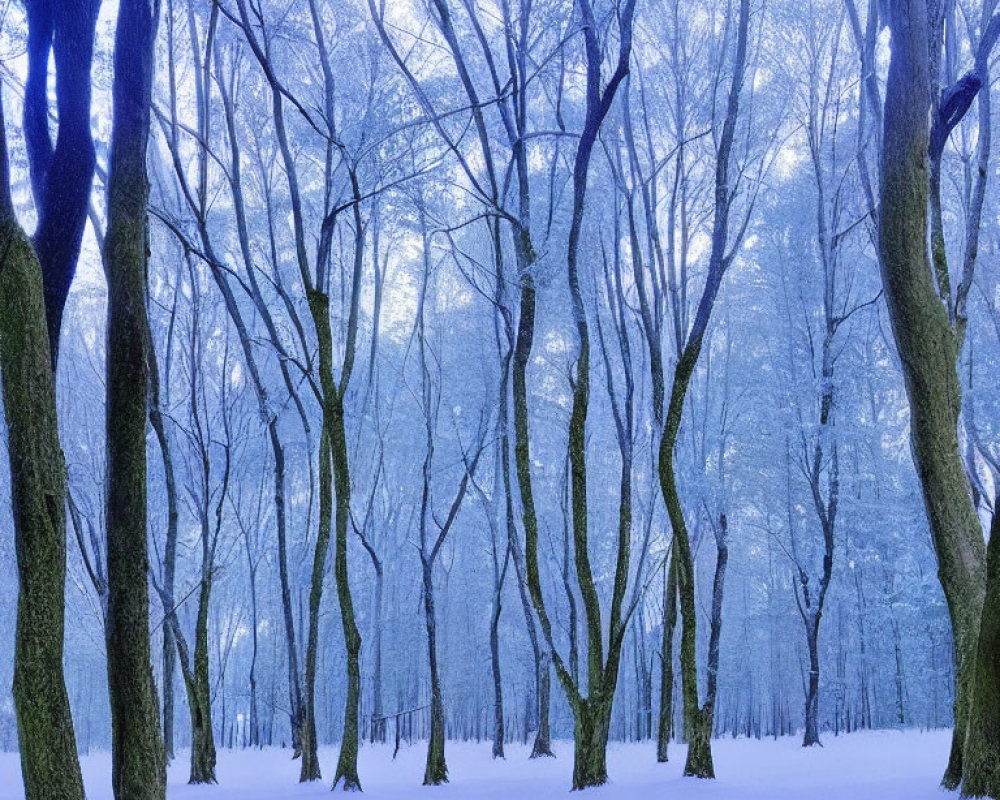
(520, 395)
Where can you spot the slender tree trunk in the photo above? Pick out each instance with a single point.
(436, 771)
(254, 739)
(378, 712)
(202, 735)
(699, 756)
(542, 745)
(168, 653)
(498, 729)
(347, 763)
(138, 761)
(310, 770)
(811, 735)
(666, 724)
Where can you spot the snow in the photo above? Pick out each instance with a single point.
(884, 765)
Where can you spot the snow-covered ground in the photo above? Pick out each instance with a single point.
(885, 765)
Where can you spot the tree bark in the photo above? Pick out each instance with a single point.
(49, 763)
(138, 760)
(666, 723)
(699, 756)
(347, 763)
(981, 768)
(61, 174)
(436, 769)
(927, 349)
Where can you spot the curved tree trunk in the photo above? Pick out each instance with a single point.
(699, 756)
(319, 306)
(927, 348)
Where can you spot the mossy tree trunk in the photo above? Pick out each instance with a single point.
(319, 308)
(590, 738)
(202, 736)
(347, 762)
(138, 761)
(698, 719)
(34, 281)
(197, 689)
(981, 773)
(928, 349)
(591, 712)
(49, 763)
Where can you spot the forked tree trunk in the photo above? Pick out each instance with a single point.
(590, 744)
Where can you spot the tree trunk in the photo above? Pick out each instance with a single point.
(543, 737)
(699, 762)
(291, 647)
(667, 663)
(590, 743)
(498, 731)
(310, 770)
(981, 773)
(811, 736)
(347, 763)
(49, 763)
(255, 740)
(202, 735)
(319, 308)
(168, 653)
(138, 761)
(436, 771)
(378, 712)
(927, 349)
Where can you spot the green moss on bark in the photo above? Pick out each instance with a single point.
(49, 762)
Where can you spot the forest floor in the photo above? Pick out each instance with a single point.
(885, 765)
